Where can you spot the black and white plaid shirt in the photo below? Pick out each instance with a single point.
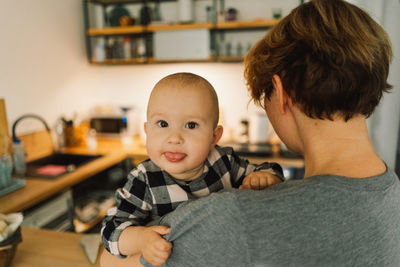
(151, 192)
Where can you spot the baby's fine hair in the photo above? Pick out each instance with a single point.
(190, 79)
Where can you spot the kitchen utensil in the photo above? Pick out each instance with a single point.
(4, 138)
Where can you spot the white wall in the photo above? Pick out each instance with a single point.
(42, 59)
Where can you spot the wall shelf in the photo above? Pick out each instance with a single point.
(232, 25)
(252, 24)
(115, 2)
(117, 30)
(121, 61)
(144, 34)
(149, 29)
(177, 27)
(152, 60)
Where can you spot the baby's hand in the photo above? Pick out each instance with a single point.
(259, 180)
(156, 249)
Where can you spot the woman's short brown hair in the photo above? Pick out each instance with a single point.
(331, 56)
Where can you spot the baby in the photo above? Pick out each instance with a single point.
(185, 163)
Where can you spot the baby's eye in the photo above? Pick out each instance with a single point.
(191, 125)
(162, 123)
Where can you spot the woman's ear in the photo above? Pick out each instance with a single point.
(217, 134)
(284, 100)
(145, 127)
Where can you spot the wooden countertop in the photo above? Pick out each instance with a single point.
(37, 190)
(46, 248)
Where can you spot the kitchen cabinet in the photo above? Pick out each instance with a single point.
(81, 207)
(106, 44)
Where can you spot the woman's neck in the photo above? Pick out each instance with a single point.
(339, 148)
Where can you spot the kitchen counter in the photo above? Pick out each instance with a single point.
(113, 151)
(46, 248)
(37, 190)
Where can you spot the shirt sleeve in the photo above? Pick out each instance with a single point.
(240, 168)
(134, 205)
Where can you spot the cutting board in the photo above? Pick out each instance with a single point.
(4, 136)
(37, 144)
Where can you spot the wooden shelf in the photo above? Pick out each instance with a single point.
(150, 28)
(152, 60)
(121, 61)
(116, 30)
(177, 27)
(259, 23)
(114, 2)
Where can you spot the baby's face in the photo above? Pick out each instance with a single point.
(180, 129)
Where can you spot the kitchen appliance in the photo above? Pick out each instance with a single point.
(109, 126)
(112, 122)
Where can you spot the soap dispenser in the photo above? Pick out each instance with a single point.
(19, 158)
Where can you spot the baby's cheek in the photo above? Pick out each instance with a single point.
(201, 152)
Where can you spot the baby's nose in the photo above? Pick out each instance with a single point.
(175, 138)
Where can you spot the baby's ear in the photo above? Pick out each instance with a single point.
(217, 134)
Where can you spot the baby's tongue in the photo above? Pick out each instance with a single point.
(174, 156)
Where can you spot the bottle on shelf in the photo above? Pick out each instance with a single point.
(100, 51)
(127, 47)
(239, 50)
(141, 48)
(19, 158)
(210, 12)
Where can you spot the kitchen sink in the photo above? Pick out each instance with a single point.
(57, 164)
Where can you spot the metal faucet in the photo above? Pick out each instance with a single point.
(14, 137)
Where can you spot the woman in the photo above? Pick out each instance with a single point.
(318, 74)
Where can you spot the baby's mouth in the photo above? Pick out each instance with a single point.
(174, 156)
